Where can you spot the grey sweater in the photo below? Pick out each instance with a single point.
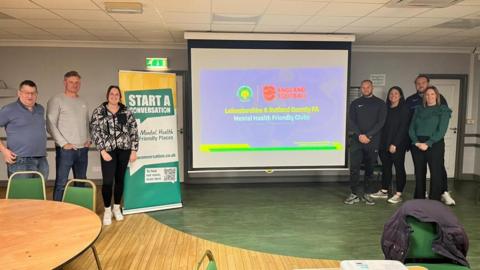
(67, 120)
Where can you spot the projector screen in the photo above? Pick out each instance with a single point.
(268, 108)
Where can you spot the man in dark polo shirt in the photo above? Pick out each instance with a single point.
(24, 122)
(366, 118)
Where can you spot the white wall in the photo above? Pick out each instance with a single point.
(99, 67)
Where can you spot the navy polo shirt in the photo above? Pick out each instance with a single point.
(26, 132)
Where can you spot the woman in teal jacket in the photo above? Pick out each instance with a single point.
(427, 129)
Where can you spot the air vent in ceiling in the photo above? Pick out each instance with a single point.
(460, 24)
(422, 3)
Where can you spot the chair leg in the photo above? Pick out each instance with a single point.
(99, 266)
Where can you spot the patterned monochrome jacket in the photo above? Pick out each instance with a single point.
(114, 131)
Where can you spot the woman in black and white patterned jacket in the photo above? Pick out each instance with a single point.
(115, 134)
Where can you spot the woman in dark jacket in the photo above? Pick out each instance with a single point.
(114, 131)
(393, 145)
(427, 129)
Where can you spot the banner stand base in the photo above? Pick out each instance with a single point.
(152, 208)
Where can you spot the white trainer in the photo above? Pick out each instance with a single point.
(447, 199)
(117, 213)
(397, 198)
(107, 216)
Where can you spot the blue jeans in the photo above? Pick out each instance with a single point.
(39, 164)
(66, 160)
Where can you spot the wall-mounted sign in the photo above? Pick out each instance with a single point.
(156, 63)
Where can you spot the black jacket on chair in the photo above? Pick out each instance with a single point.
(452, 242)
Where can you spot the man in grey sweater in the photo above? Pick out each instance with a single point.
(67, 122)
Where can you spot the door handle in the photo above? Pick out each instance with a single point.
(180, 131)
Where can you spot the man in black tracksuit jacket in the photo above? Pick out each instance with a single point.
(416, 100)
(367, 116)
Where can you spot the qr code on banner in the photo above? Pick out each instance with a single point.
(156, 175)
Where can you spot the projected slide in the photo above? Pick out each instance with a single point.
(271, 110)
(270, 115)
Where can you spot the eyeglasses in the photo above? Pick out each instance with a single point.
(29, 93)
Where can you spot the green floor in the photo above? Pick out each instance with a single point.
(306, 220)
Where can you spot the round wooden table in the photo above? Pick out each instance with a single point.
(36, 234)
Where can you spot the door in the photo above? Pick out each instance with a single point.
(450, 89)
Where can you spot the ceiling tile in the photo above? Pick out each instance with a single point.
(151, 33)
(50, 23)
(100, 25)
(188, 27)
(275, 28)
(418, 39)
(63, 31)
(42, 37)
(196, 6)
(295, 7)
(468, 33)
(17, 4)
(399, 30)
(358, 30)
(6, 35)
(143, 25)
(316, 29)
(469, 3)
(330, 21)
(13, 23)
(147, 15)
(282, 20)
(436, 31)
(30, 13)
(182, 17)
(362, 1)
(375, 22)
(118, 38)
(28, 31)
(454, 11)
(75, 14)
(102, 33)
(420, 22)
(254, 7)
(62, 4)
(397, 12)
(348, 9)
(87, 37)
(232, 27)
(379, 38)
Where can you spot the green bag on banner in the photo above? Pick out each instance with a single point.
(152, 182)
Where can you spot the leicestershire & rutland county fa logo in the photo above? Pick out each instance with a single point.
(244, 93)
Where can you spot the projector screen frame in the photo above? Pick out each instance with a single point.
(256, 44)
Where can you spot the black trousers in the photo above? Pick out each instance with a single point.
(361, 153)
(113, 173)
(398, 160)
(433, 157)
(444, 171)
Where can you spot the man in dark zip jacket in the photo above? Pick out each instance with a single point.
(367, 116)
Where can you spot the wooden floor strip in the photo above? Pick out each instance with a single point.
(140, 242)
